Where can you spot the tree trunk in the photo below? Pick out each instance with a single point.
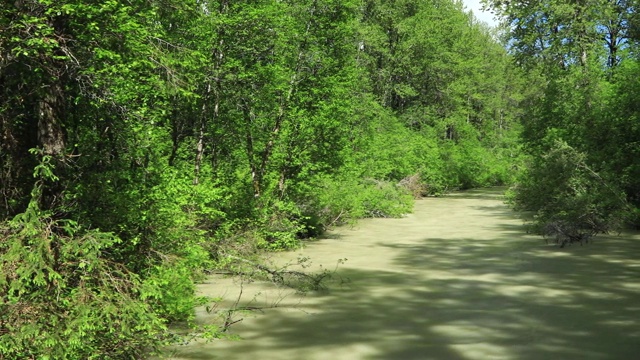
(212, 92)
(50, 113)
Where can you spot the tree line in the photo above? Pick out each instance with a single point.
(581, 131)
(146, 141)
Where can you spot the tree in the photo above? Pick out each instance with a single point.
(443, 74)
(572, 203)
(177, 128)
(576, 51)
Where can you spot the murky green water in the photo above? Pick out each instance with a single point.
(457, 279)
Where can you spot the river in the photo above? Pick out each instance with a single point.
(457, 279)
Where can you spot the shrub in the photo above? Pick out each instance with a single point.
(342, 199)
(60, 298)
(571, 202)
(169, 288)
(279, 226)
(65, 295)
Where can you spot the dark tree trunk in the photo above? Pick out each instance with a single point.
(50, 113)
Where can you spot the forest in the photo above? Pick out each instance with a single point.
(144, 143)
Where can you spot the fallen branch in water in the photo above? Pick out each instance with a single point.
(300, 281)
(336, 219)
(293, 279)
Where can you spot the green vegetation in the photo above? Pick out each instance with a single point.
(572, 203)
(144, 142)
(580, 128)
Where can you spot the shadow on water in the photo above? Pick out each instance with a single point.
(468, 284)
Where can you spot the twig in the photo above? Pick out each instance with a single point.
(336, 219)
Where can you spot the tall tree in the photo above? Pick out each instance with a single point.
(581, 53)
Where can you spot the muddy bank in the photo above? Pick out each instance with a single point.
(457, 279)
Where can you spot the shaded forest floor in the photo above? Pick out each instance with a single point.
(457, 279)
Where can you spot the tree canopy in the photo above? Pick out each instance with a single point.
(581, 58)
(145, 141)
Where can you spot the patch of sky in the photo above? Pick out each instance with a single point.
(476, 7)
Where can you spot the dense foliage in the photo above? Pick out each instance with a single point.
(164, 134)
(581, 111)
(572, 203)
